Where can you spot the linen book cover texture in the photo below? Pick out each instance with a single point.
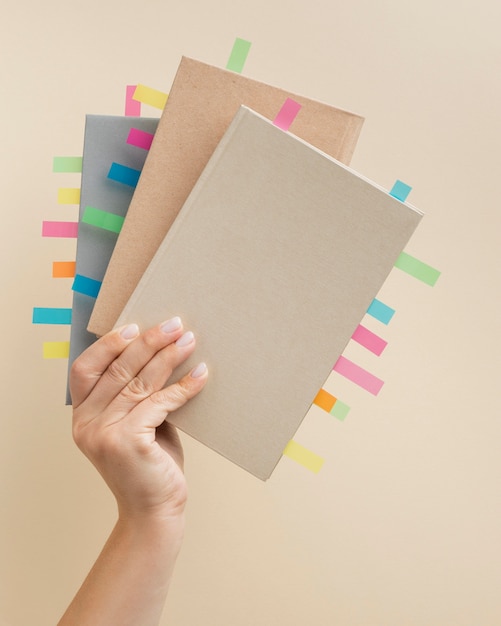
(202, 102)
(272, 262)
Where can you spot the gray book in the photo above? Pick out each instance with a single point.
(105, 143)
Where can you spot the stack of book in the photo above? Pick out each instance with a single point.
(246, 221)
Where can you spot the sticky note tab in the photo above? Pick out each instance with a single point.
(102, 219)
(331, 404)
(56, 349)
(358, 375)
(417, 268)
(51, 316)
(68, 195)
(132, 107)
(59, 229)
(303, 456)
(67, 164)
(87, 286)
(366, 338)
(324, 400)
(340, 410)
(123, 174)
(140, 138)
(63, 269)
(150, 96)
(380, 311)
(287, 114)
(400, 191)
(238, 55)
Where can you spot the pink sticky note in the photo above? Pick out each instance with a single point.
(369, 340)
(132, 107)
(358, 375)
(287, 114)
(140, 138)
(59, 229)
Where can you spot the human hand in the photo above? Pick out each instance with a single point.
(119, 410)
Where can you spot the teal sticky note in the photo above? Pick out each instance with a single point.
(400, 191)
(123, 174)
(380, 311)
(87, 286)
(51, 315)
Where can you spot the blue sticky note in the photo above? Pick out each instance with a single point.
(380, 311)
(123, 174)
(51, 315)
(87, 286)
(400, 191)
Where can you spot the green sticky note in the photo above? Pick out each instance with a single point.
(339, 410)
(102, 219)
(417, 268)
(67, 164)
(238, 55)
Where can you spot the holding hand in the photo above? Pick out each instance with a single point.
(120, 403)
(119, 410)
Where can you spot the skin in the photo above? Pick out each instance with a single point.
(120, 403)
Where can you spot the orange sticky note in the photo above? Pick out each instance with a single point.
(63, 269)
(324, 400)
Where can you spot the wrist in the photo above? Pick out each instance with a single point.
(160, 537)
(163, 505)
(153, 520)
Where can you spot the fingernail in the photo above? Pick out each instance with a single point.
(199, 370)
(171, 325)
(130, 331)
(185, 339)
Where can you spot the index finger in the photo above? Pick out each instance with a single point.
(88, 368)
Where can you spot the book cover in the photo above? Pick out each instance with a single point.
(202, 102)
(103, 203)
(272, 262)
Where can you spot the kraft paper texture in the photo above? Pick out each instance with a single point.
(200, 107)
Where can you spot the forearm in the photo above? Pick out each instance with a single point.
(129, 582)
(120, 402)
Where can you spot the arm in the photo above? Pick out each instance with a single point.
(119, 409)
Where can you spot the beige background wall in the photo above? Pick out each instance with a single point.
(401, 527)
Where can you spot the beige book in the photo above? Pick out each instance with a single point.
(201, 105)
(272, 261)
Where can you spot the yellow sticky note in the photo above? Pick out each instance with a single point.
(68, 195)
(303, 456)
(148, 95)
(56, 349)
